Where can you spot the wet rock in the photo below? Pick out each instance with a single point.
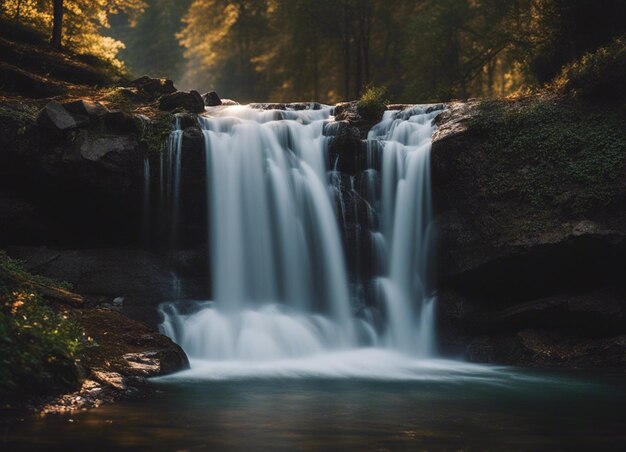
(296, 106)
(193, 139)
(349, 112)
(190, 101)
(549, 349)
(55, 117)
(211, 99)
(113, 379)
(187, 120)
(118, 302)
(345, 148)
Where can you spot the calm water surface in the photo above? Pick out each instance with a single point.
(493, 408)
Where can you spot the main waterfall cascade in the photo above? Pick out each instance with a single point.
(276, 235)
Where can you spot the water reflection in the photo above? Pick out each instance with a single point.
(520, 411)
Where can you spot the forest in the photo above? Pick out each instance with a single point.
(327, 50)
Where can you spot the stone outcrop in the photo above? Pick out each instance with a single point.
(522, 282)
(123, 354)
(153, 88)
(187, 101)
(56, 118)
(211, 99)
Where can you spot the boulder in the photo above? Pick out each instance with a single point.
(86, 111)
(55, 117)
(211, 99)
(189, 101)
(153, 87)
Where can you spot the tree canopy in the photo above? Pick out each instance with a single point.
(328, 50)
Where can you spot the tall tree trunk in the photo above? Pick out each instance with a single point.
(57, 23)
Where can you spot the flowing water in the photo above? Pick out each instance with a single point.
(276, 213)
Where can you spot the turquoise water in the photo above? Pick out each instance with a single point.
(494, 408)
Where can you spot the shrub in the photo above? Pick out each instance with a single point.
(372, 103)
(600, 74)
(38, 345)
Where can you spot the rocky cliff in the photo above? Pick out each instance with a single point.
(531, 201)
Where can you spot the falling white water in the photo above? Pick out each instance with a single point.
(280, 288)
(406, 226)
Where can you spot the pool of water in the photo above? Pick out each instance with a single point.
(420, 405)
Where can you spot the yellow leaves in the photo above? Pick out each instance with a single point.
(83, 22)
(19, 300)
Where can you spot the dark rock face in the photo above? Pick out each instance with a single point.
(189, 101)
(193, 139)
(211, 99)
(77, 154)
(521, 283)
(142, 278)
(120, 122)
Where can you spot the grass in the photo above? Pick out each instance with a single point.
(551, 152)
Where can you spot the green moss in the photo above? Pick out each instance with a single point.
(372, 103)
(155, 133)
(551, 153)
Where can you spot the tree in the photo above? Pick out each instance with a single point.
(77, 24)
(57, 23)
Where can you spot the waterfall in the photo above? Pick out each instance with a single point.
(406, 226)
(278, 219)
